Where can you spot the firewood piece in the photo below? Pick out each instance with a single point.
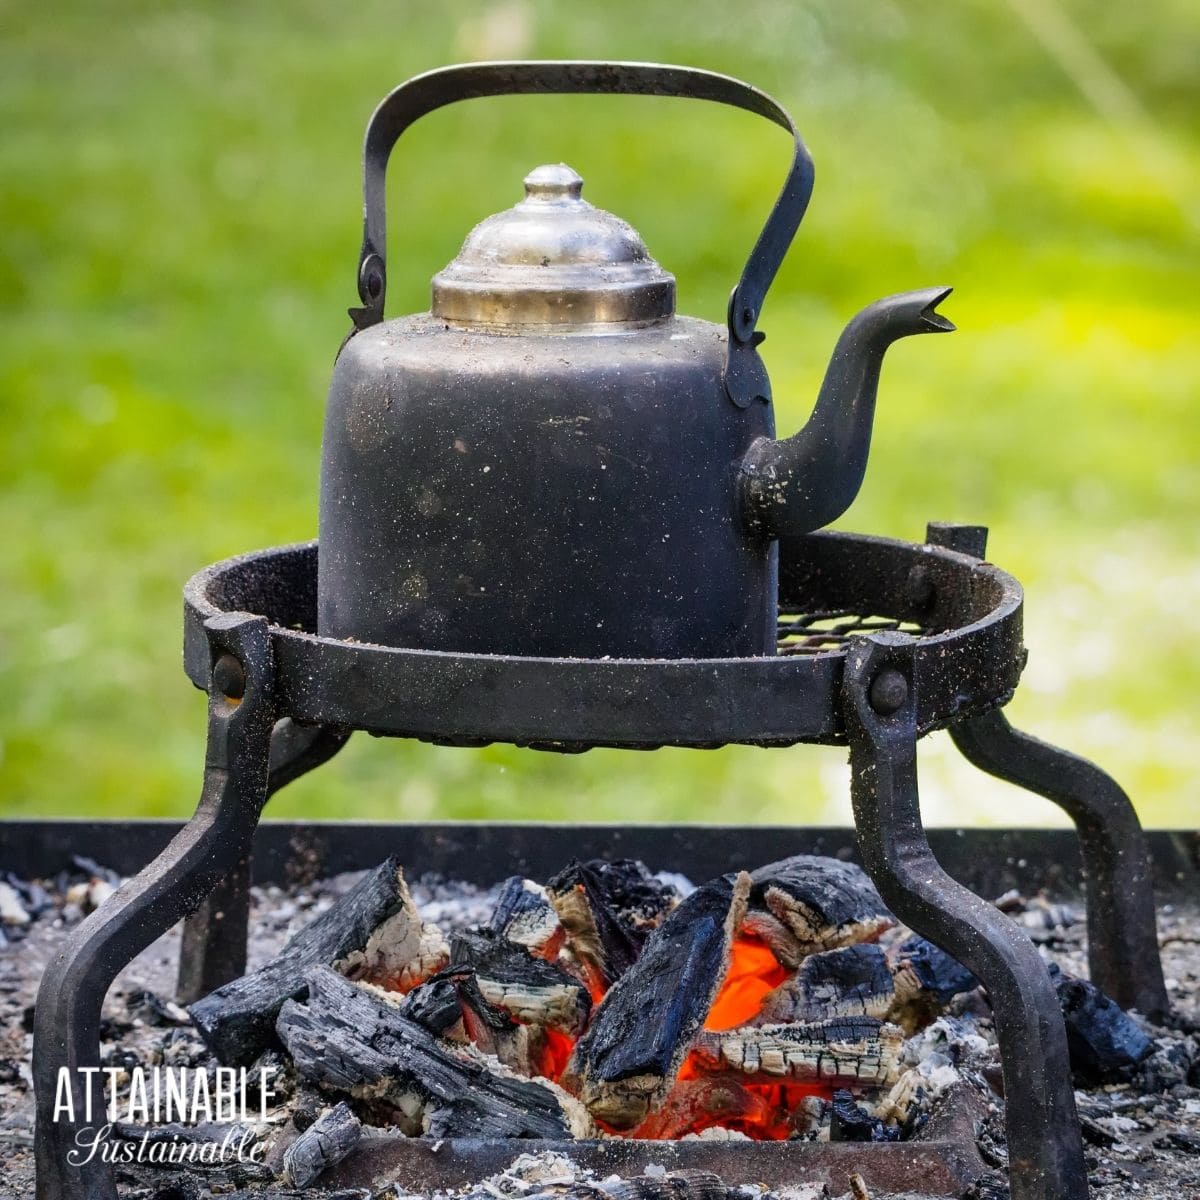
(524, 915)
(237, 1021)
(352, 1038)
(1104, 1042)
(491, 1029)
(640, 900)
(808, 903)
(926, 978)
(323, 1144)
(848, 1122)
(853, 981)
(532, 990)
(628, 1059)
(434, 1004)
(856, 1051)
(604, 945)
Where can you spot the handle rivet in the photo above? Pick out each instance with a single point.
(889, 691)
(229, 677)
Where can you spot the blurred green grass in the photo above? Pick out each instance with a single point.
(178, 235)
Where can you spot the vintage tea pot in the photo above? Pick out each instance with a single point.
(551, 461)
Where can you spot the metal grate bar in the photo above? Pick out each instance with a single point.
(832, 629)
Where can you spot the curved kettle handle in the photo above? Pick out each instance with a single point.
(745, 379)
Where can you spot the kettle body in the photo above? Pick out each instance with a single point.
(548, 494)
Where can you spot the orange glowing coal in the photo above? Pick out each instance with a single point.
(701, 1099)
(753, 972)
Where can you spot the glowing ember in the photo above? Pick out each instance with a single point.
(753, 972)
(672, 1045)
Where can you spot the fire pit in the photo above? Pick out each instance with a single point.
(433, 611)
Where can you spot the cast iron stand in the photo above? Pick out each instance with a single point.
(282, 701)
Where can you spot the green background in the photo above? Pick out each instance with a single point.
(179, 224)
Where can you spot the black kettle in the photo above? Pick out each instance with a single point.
(550, 461)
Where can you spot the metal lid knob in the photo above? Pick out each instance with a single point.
(553, 184)
(553, 260)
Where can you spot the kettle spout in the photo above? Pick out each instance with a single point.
(804, 482)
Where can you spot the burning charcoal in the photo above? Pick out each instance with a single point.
(809, 903)
(851, 981)
(641, 900)
(530, 989)
(1105, 1043)
(434, 1004)
(849, 1050)
(605, 945)
(848, 1122)
(373, 927)
(323, 1144)
(525, 915)
(490, 1028)
(353, 1038)
(626, 1062)
(697, 1104)
(913, 1094)
(926, 978)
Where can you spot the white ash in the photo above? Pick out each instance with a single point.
(12, 911)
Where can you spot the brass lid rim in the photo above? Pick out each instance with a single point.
(634, 300)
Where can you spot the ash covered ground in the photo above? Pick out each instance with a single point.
(1142, 1136)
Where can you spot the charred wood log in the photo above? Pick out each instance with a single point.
(853, 981)
(846, 1051)
(926, 978)
(524, 915)
(435, 1005)
(640, 901)
(604, 945)
(629, 1057)
(353, 1038)
(323, 1144)
(491, 1029)
(530, 989)
(373, 926)
(1104, 1042)
(808, 903)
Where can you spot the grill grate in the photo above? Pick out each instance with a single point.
(832, 629)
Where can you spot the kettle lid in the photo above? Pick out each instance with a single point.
(553, 260)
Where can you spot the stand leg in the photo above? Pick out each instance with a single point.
(1123, 955)
(66, 1035)
(1044, 1145)
(213, 948)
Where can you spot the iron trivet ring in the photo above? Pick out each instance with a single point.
(967, 660)
(283, 700)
